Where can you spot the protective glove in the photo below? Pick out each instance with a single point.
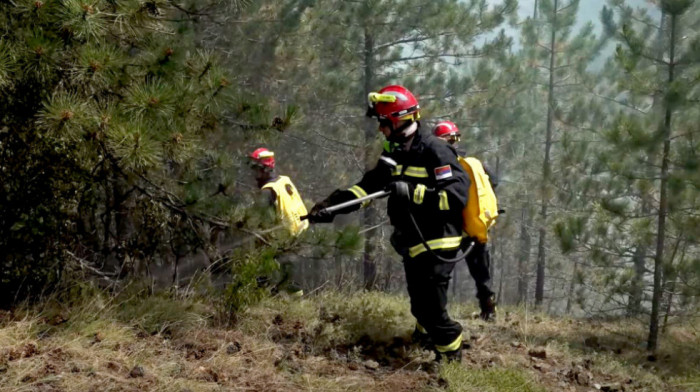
(319, 214)
(401, 192)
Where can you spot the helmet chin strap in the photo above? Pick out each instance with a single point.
(404, 132)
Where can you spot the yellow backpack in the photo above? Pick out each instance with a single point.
(290, 206)
(482, 207)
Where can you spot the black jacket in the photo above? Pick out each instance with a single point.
(438, 191)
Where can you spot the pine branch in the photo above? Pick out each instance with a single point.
(165, 198)
(561, 10)
(202, 12)
(609, 99)
(473, 55)
(411, 40)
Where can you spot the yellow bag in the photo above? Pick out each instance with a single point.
(482, 207)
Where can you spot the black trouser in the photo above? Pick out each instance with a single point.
(427, 280)
(479, 261)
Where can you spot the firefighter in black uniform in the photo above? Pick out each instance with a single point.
(478, 259)
(429, 190)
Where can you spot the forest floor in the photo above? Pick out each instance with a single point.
(326, 342)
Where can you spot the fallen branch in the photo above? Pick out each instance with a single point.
(84, 264)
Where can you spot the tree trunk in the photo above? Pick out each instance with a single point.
(634, 305)
(339, 271)
(388, 274)
(499, 296)
(493, 241)
(302, 277)
(669, 285)
(652, 342)
(524, 254)
(369, 262)
(546, 166)
(572, 287)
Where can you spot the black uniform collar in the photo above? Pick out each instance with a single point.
(415, 141)
(417, 138)
(274, 177)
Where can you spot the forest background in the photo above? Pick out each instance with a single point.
(125, 126)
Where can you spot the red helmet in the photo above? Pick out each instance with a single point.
(263, 157)
(446, 128)
(393, 103)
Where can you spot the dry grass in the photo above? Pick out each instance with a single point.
(581, 354)
(280, 345)
(330, 342)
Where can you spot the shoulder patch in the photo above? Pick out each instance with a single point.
(443, 172)
(289, 189)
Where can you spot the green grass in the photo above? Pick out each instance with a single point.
(161, 313)
(463, 379)
(336, 318)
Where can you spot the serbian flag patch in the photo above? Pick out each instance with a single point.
(443, 172)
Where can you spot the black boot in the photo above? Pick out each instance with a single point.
(449, 356)
(422, 339)
(488, 308)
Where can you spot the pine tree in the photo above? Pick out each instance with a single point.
(662, 134)
(498, 126)
(560, 61)
(105, 106)
(645, 122)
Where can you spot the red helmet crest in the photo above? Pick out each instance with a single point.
(263, 157)
(394, 103)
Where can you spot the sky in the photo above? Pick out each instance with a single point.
(588, 11)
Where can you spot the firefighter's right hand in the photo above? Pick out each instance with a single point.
(319, 214)
(400, 191)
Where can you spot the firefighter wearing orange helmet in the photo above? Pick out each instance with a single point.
(428, 193)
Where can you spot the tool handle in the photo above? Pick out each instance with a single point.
(346, 204)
